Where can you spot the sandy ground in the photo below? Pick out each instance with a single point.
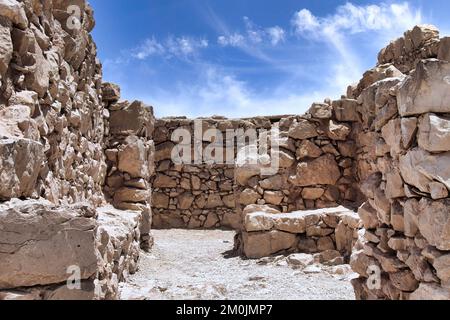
(193, 265)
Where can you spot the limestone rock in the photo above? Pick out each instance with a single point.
(185, 201)
(444, 49)
(15, 12)
(346, 110)
(438, 191)
(321, 111)
(303, 130)
(308, 149)
(6, 49)
(110, 92)
(160, 200)
(248, 196)
(404, 280)
(391, 133)
(323, 170)
(258, 221)
(415, 96)
(338, 131)
(133, 158)
(126, 194)
(368, 216)
(273, 197)
(344, 238)
(419, 168)
(136, 119)
(300, 260)
(163, 181)
(39, 242)
(430, 291)
(312, 193)
(442, 266)
(293, 222)
(434, 133)
(434, 222)
(20, 165)
(394, 185)
(258, 245)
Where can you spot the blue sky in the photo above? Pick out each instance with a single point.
(241, 58)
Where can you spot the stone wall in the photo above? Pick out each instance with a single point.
(316, 167)
(331, 232)
(196, 195)
(403, 168)
(69, 146)
(130, 157)
(56, 243)
(62, 132)
(52, 115)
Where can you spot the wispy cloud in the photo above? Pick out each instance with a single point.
(253, 35)
(276, 34)
(180, 47)
(219, 92)
(350, 18)
(202, 87)
(381, 23)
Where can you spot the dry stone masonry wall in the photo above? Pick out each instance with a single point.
(405, 250)
(60, 137)
(197, 195)
(82, 173)
(130, 157)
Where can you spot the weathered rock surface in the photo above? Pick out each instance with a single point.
(39, 242)
(415, 96)
(20, 164)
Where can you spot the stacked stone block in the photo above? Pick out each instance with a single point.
(316, 167)
(403, 167)
(130, 157)
(267, 232)
(196, 195)
(55, 124)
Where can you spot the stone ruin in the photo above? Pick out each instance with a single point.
(84, 176)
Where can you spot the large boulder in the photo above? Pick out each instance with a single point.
(134, 159)
(15, 12)
(302, 130)
(6, 49)
(135, 119)
(419, 168)
(323, 170)
(262, 244)
(434, 222)
(426, 90)
(20, 163)
(39, 242)
(434, 133)
(430, 291)
(346, 110)
(110, 92)
(444, 49)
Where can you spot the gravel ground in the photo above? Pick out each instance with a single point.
(194, 265)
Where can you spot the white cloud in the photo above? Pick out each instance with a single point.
(254, 35)
(180, 47)
(353, 19)
(185, 46)
(148, 48)
(233, 40)
(304, 21)
(277, 35)
(218, 92)
(380, 24)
